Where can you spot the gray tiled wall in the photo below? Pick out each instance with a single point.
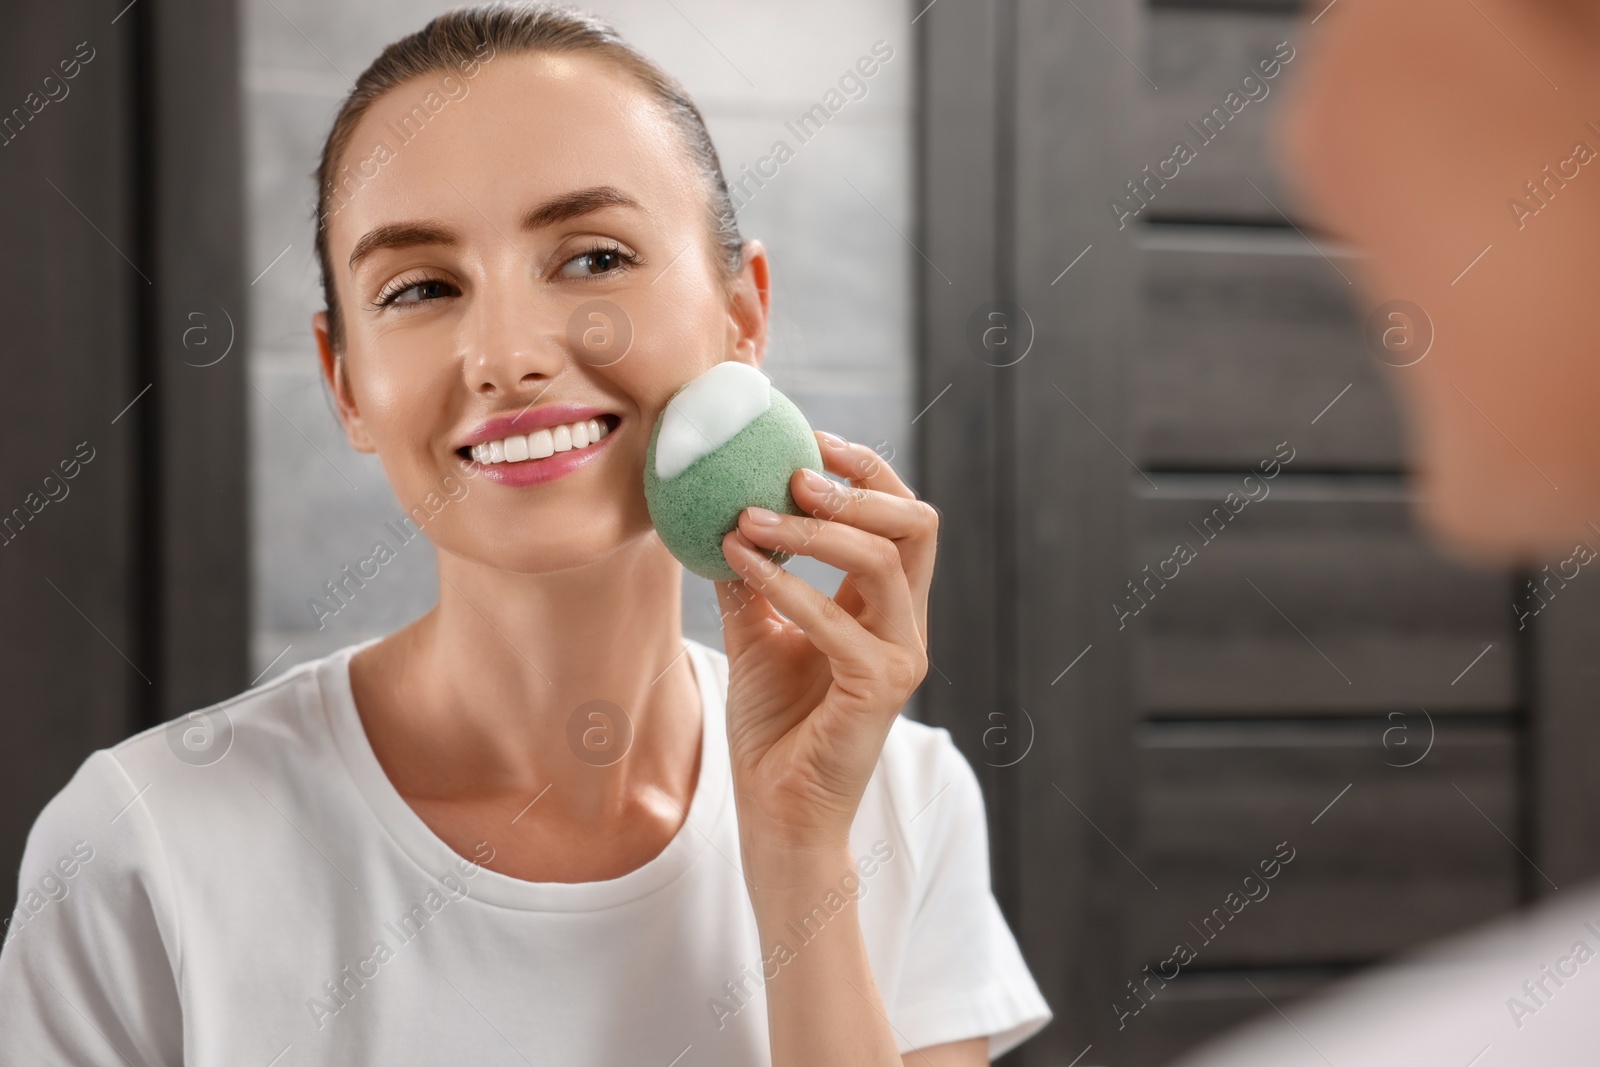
(841, 336)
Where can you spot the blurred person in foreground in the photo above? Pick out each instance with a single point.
(1429, 133)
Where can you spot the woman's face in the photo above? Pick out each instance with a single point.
(521, 252)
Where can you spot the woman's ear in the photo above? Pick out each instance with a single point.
(339, 385)
(752, 298)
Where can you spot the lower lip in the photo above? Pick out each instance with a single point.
(540, 471)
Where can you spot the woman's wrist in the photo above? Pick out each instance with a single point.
(792, 895)
(823, 1004)
(780, 852)
(778, 867)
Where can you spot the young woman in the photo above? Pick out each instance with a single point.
(538, 825)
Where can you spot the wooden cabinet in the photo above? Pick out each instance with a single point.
(1311, 674)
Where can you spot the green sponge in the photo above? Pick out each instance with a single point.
(725, 441)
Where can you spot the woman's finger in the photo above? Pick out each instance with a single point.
(743, 613)
(872, 562)
(861, 465)
(899, 518)
(834, 632)
(911, 523)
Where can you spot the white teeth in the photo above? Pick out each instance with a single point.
(541, 443)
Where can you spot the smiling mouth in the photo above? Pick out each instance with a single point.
(541, 444)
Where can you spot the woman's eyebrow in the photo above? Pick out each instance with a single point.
(401, 235)
(558, 208)
(579, 202)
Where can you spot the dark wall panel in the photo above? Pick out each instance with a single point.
(1197, 56)
(1564, 638)
(68, 574)
(196, 350)
(1321, 596)
(1280, 686)
(120, 210)
(1378, 814)
(1251, 337)
(1072, 275)
(959, 206)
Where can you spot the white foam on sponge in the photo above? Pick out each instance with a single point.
(708, 413)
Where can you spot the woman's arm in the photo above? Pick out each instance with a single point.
(823, 1004)
(974, 1052)
(89, 969)
(812, 693)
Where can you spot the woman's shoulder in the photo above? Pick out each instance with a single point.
(287, 712)
(927, 779)
(167, 816)
(200, 759)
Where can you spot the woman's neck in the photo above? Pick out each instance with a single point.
(475, 702)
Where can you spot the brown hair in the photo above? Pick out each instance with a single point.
(459, 39)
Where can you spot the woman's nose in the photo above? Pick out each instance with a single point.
(515, 342)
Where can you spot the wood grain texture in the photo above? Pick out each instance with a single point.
(1249, 337)
(1071, 477)
(1320, 597)
(1198, 55)
(1185, 743)
(1564, 790)
(956, 270)
(1392, 822)
(1200, 1004)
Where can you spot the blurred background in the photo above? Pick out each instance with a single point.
(1086, 346)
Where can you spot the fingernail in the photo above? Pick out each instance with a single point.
(762, 517)
(814, 481)
(832, 440)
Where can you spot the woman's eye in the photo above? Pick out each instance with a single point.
(416, 294)
(595, 261)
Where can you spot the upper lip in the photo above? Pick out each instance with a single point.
(530, 419)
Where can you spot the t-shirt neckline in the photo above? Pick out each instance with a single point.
(425, 848)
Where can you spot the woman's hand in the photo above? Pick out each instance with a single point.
(811, 697)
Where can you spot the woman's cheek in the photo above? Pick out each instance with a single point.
(659, 363)
(406, 397)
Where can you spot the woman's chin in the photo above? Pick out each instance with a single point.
(591, 551)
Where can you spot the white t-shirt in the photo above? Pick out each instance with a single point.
(247, 888)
